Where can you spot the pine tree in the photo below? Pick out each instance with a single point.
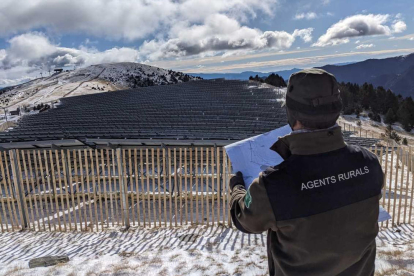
(391, 101)
(368, 95)
(406, 114)
(358, 111)
(392, 134)
(275, 80)
(405, 142)
(390, 117)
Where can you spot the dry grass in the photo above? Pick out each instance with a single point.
(238, 271)
(181, 267)
(235, 258)
(126, 254)
(263, 257)
(395, 270)
(15, 271)
(173, 257)
(156, 261)
(90, 273)
(393, 254)
(163, 272)
(211, 259)
(194, 252)
(200, 267)
(222, 273)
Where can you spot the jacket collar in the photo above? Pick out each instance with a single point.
(307, 143)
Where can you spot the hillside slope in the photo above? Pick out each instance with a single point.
(89, 80)
(394, 73)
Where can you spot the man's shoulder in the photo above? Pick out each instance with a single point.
(273, 171)
(362, 152)
(350, 151)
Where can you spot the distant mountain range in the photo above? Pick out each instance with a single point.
(395, 73)
(285, 74)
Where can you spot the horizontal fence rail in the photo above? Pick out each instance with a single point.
(97, 189)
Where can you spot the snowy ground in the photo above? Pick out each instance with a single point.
(197, 250)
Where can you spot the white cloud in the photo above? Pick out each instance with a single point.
(3, 54)
(405, 37)
(399, 26)
(364, 46)
(33, 51)
(172, 29)
(89, 42)
(308, 16)
(326, 2)
(127, 19)
(356, 26)
(358, 41)
(218, 33)
(305, 34)
(30, 46)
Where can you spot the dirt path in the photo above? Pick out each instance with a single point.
(82, 82)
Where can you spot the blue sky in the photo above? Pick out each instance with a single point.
(199, 36)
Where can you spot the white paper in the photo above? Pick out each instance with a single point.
(383, 215)
(253, 155)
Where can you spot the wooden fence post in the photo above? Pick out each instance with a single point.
(21, 201)
(123, 184)
(227, 179)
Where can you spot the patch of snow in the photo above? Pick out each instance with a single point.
(189, 250)
(114, 76)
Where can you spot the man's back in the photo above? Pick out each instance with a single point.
(326, 215)
(320, 206)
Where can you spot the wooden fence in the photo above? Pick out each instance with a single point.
(360, 131)
(96, 189)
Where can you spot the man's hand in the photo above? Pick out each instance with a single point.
(236, 180)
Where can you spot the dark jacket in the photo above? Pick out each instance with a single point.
(320, 206)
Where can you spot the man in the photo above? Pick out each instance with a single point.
(320, 206)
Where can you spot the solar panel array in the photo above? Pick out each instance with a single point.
(207, 109)
(352, 139)
(197, 110)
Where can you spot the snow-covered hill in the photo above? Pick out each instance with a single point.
(92, 79)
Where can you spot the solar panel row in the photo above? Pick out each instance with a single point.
(208, 109)
(200, 110)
